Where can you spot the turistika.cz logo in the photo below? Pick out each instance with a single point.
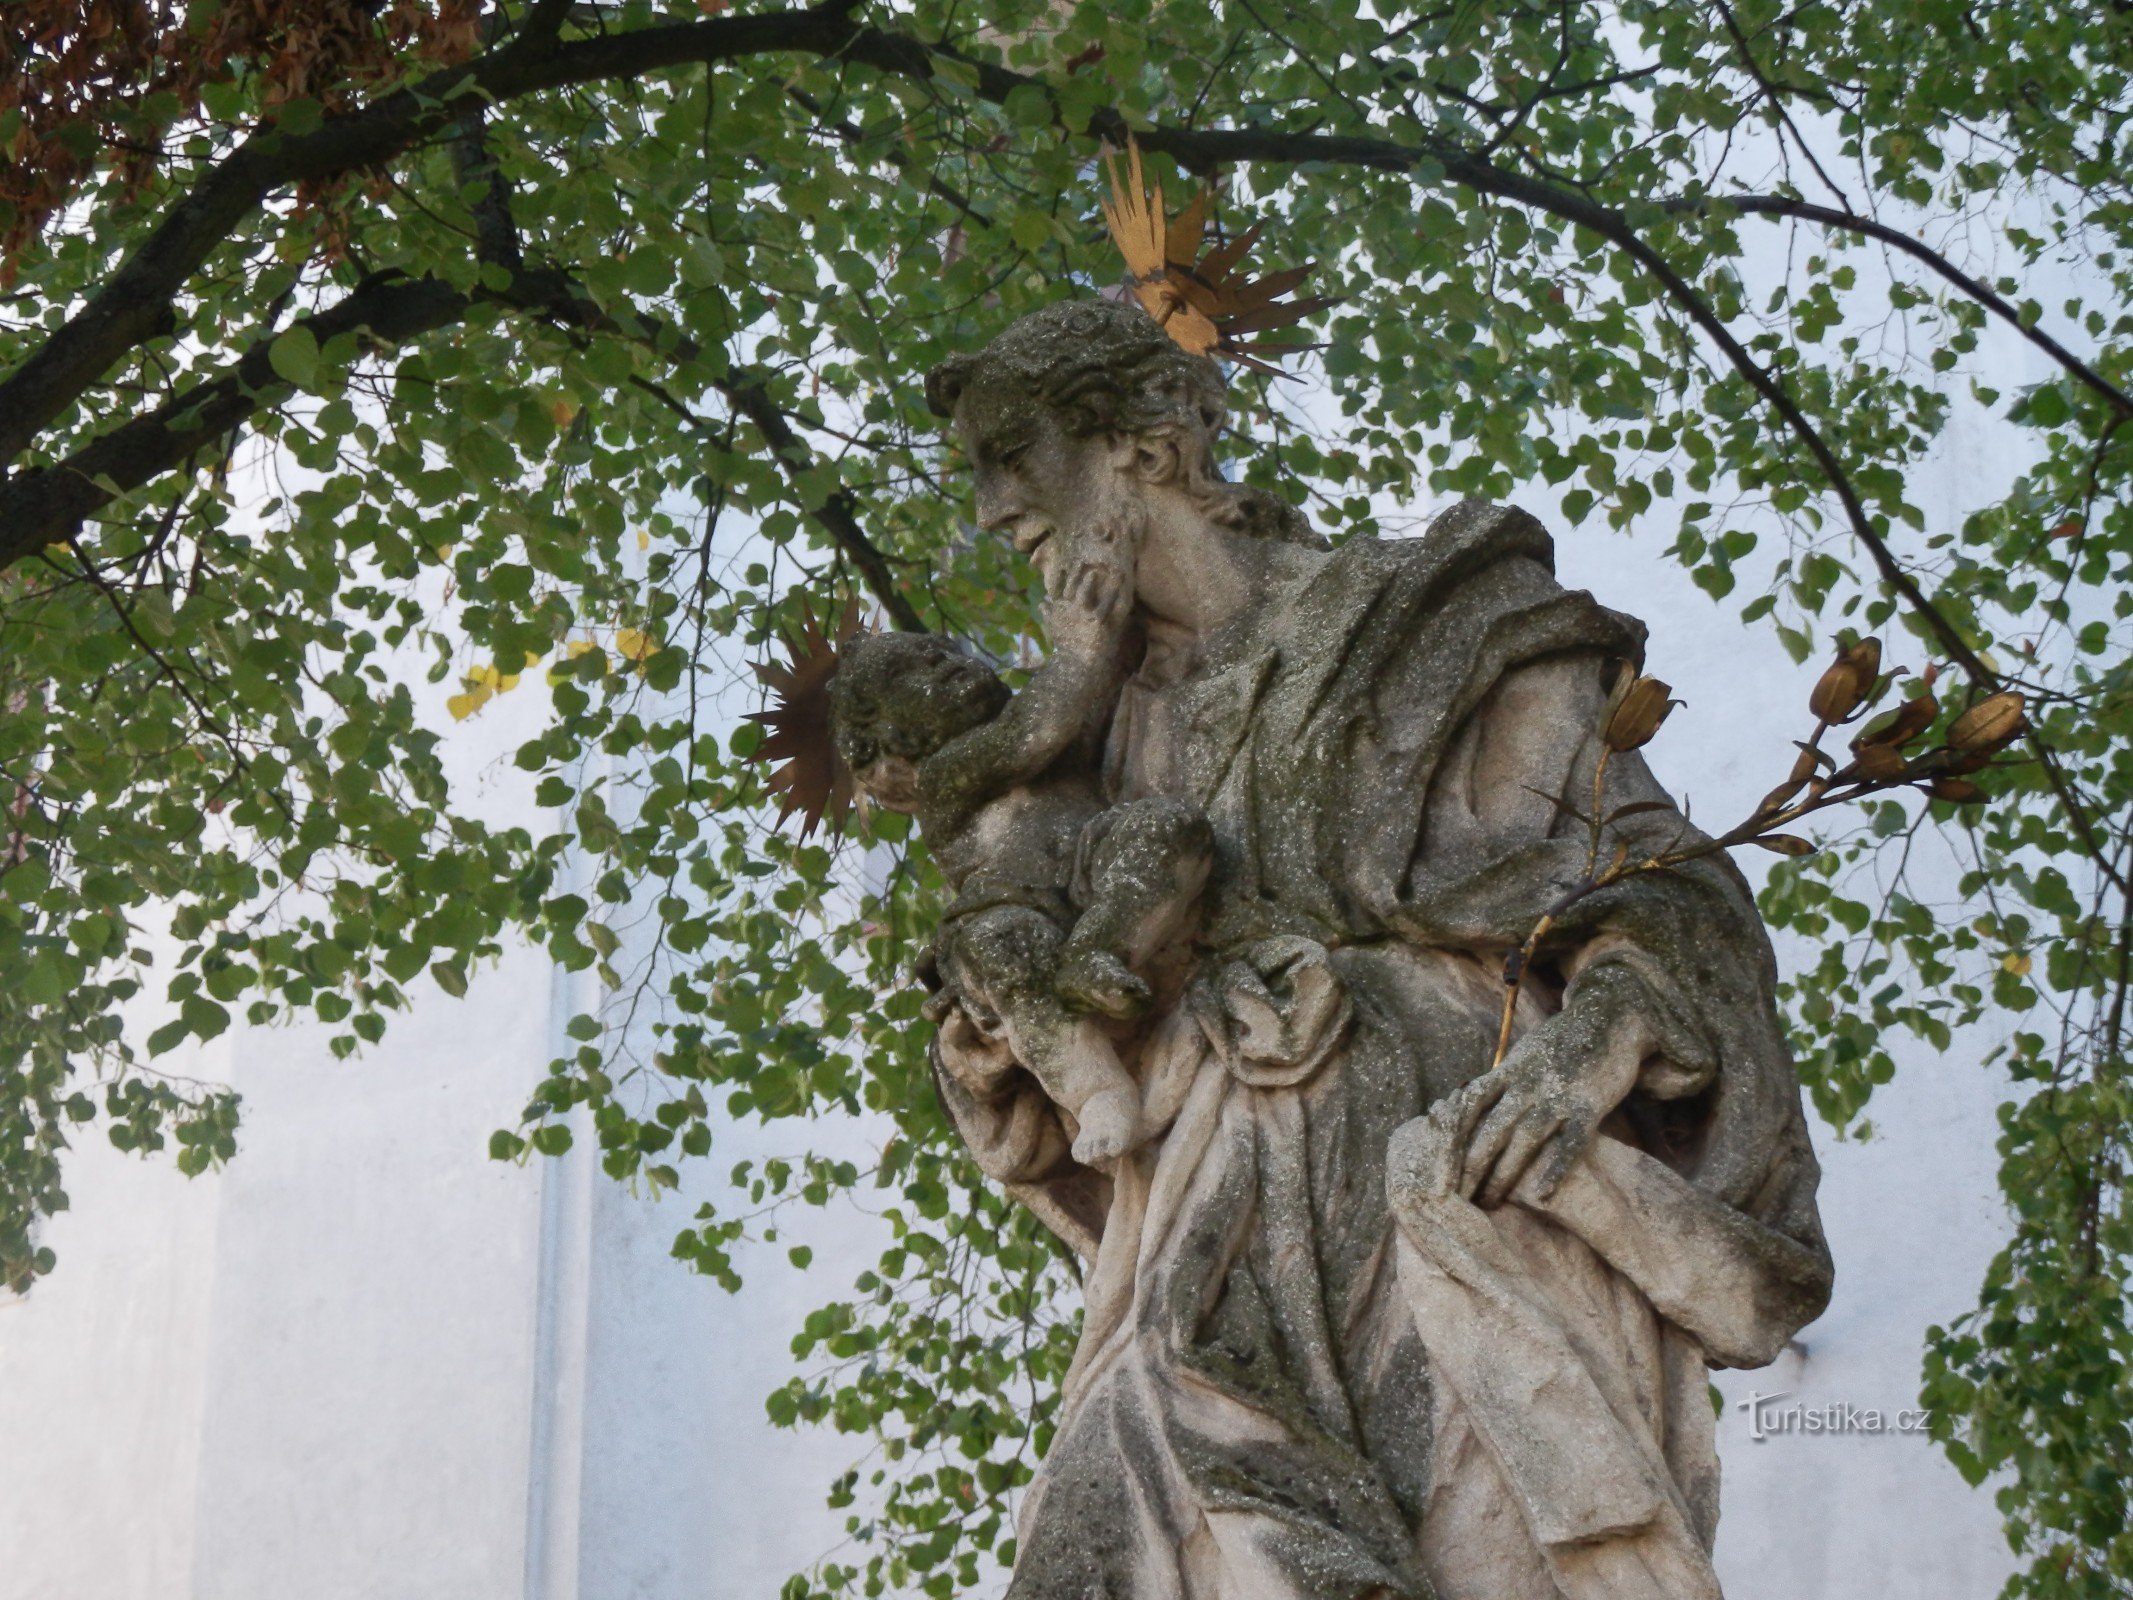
(1768, 1419)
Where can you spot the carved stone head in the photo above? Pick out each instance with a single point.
(1099, 366)
(897, 698)
(1080, 409)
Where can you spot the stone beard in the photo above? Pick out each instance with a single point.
(1366, 1318)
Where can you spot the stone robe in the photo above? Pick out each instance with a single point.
(1302, 1375)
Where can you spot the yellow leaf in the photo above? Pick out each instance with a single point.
(634, 646)
(2018, 965)
(644, 540)
(565, 412)
(463, 706)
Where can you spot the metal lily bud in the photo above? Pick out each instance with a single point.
(1806, 764)
(1880, 762)
(1865, 656)
(1786, 844)
(1637, 715)
(1956, 761)
(1994, 721)
(1780, 797)
(1845, 683)
(1899, 727)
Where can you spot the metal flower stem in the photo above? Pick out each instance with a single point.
(1764, 821)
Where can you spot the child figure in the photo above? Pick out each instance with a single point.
(928, 730)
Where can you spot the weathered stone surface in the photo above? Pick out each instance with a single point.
(1365, 1317)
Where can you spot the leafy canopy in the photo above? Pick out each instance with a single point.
(583, 341)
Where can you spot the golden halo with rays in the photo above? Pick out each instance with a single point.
(814, 780)
(1205, 304)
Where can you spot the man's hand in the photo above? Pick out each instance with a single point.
(1539, 1110)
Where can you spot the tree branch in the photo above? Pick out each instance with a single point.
(496, 240)
(133, 305)
(1772, 205)
(134, 300)
(1699, 311)
(48, 504)
(1776, 97)
(838, 513)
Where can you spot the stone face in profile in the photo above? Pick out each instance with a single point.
(1366, 1316)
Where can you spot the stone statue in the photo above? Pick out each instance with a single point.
(1366, 1316)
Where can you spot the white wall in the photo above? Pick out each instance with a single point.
(321, 1373)
(370, 1370)
(103, 1380)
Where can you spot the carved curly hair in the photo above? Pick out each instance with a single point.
(1105, 367)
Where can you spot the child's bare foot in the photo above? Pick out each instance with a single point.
(1098, 982)
(1110, 1125)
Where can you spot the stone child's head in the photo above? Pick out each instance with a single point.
(899, 697)
(1078, 412)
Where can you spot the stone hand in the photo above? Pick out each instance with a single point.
(1539, 1110)
(1088, 613)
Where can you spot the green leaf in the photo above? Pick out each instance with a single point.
(551, 1139)
(294, 356)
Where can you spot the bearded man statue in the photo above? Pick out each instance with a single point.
(1367, 1316)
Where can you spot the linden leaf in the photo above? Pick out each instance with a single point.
(294, 356)
(463, 706)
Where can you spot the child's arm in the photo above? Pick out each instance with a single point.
(1051, 711)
